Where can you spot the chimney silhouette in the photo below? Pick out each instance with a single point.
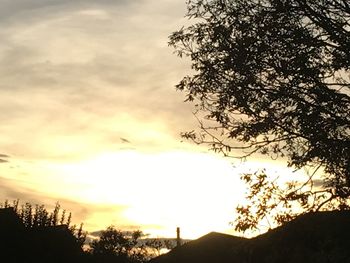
(178, 238)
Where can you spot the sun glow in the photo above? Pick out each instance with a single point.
(153, 191)
(194, 190)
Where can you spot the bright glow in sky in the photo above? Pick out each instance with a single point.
(90, 118)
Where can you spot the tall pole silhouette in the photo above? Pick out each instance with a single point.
(178, 238)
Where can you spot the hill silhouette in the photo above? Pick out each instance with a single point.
(213, 247)
(315, 237)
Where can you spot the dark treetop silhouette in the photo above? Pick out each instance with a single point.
(33, 234)
(35, 237)
(272, 77)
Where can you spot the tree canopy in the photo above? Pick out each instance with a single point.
(119, 246)
(274, 77)
(38, 233)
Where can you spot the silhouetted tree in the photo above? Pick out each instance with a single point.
(269, 203)
(156, 245)
(116, 245)
(54, 215)
(32, 234)
(80, 235)
(272, 77)
(41, 217)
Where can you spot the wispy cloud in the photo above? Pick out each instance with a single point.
(4, 158)
(83, 73)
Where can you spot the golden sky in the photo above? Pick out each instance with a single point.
(90, 118)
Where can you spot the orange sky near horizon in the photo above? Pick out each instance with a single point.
(90, 118)
(153, 192)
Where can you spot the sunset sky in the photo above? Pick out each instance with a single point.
(90, 118)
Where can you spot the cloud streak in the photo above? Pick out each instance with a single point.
(93, 72)
(4, 158)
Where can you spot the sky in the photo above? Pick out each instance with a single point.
(90, 118)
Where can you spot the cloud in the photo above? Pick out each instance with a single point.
(25, 9)
(126, 229)
(81, 211)
(3, 158)
(93, 72)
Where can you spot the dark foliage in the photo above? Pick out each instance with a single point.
(36, 235)
(118, 245)
(23, 243)
(272, 77)
(39, 217)
(268, 203)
